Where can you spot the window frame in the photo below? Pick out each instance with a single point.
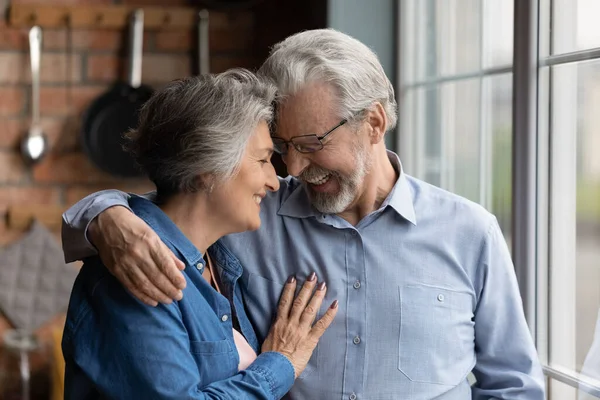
(533, 174)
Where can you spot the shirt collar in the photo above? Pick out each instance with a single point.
(400, 199)
(166, 229)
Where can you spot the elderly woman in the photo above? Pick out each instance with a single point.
(205, 143)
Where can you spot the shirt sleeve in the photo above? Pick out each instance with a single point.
(507, 365)
(130, 350)
(76, 220)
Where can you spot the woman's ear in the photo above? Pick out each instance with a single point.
(377, 120)
(206, 183)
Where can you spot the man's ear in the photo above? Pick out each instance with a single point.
(377, 120)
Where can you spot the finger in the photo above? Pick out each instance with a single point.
(286, 298)
(322, 324)
(310, 312)
(303, 296)
(141, 282)
(127, 284)
(166, 276)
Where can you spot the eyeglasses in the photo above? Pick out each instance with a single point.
(305, 143)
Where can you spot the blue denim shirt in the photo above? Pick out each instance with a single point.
(117, 347)
(426, 288)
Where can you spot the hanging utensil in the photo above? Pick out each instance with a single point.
(203, 43)
(35, 143)
(112, 114)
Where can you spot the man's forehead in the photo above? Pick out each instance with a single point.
(308, 111)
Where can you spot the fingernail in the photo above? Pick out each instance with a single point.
(334, 305)
(179, 295)
(312, 276)
(321, 286)
(291, 279)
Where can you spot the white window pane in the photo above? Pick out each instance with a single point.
(498, 134)
(561, 391)
(575, 219)
(498, 24)
(575, 25)
(440, 38)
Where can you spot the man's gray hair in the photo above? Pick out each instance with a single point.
(199, 127)
(330, 56)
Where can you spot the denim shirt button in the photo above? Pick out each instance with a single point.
(353, 396)
(356, 340)
(356, 285)
(440, 297)
(224, 318)
(199, 265)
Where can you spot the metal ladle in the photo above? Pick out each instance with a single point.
(35, 144)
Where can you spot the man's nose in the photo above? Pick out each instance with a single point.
(295, 161)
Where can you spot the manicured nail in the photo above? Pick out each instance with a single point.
(334, 305)
(321, 286)
(312, 276)
(291, 279)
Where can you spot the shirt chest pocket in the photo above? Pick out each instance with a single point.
(216, 360)
(436, 340)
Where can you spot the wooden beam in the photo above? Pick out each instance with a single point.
(94, 17)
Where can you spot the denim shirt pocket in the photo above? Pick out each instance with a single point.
(262, 297)
(436, 338)
(216, 360)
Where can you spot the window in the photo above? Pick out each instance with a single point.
(456, 70)
(456, 98)
(570, 75)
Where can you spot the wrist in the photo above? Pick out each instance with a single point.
(98, 224)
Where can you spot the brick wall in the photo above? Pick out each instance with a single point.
(78, 66)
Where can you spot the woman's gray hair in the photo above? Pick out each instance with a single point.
(199, 127)
(329, 56)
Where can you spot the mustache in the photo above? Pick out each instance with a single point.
(314, 172)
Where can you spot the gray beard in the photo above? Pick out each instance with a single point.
(349, 185)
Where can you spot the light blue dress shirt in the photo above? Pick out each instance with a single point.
(426, 288)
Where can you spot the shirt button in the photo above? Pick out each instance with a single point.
(356, 285)
(224, 318)
(440, 297)
(356, 340)
(353, 233)
(199, 265)
(353, 396)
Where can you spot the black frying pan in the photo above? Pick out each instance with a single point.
(116, 111)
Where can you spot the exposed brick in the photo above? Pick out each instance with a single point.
(68, 100)
(174, 40)
(27, 195)
(172, 3)
(12, 38)
(105, 68)
(83, 39)
(62, 132)
(220, 40)
(76, 193)
(12, 167)
(12, 100)
(54, 68)
(231, 21)
(11, 131)
(220, 63)
(68, 168)
(165, 67)
(60, 2)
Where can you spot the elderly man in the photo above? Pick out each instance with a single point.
(426, 287)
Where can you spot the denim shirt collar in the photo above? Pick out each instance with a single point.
(400, 199)
(166, 229)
